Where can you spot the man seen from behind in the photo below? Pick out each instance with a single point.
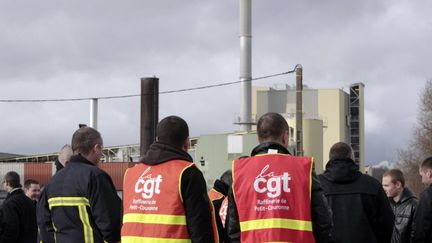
(80, 203)
(361, 210)
(165, 196)
(276, 197)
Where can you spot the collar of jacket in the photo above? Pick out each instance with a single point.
(406, 195)
(264, 147)
(221, 187)
(342, 171)
(80, 159)
(14, 192)
(159, 153)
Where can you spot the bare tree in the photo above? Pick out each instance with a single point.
(420, 146)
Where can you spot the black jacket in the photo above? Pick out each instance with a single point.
(404, 211)
(193, 190)
(19, 219)
(223, 188)
(361, 209)
(79, 192)
(321, 215)
(422, 223)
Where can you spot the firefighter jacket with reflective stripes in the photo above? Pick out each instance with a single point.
(273, 197)
(79, 204)
(153, 203)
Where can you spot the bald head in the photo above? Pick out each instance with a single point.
(272, 127)
(65, 154)
(340, 151)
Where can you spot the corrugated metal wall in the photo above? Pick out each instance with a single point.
(43, 172)
(116, 171)
(17, 167)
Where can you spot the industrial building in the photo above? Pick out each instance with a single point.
(329, 116)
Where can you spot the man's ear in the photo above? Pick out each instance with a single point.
(398, 184)
(285, 138)
(186, 144)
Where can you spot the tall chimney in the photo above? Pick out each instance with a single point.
(245, 64)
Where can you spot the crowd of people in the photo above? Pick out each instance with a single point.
(269, 196)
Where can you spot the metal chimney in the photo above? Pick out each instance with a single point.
(149, 112)
(245, 64)
(93, 112)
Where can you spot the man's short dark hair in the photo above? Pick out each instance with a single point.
(271, 127)
(84, 139)
(340, 151)
(172, 130)
(13, 179)
(28, 183)
(427, 163)
(226, 177)
(396, 175)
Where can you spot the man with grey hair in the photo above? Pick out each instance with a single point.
(80, 201)
(64, 157)
(361, 210)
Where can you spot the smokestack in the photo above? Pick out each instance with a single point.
(299, 109)
(93, 112)
(149, 112)
(245, 64)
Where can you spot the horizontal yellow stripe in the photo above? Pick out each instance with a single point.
(276, 223)
(68, 201)
(154, 219)
(137, 239)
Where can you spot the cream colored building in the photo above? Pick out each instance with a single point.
(329, 116)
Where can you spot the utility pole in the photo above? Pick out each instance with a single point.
(299, 109)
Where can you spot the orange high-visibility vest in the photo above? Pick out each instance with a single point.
(273, 197)
(215, 195)
(153, 204)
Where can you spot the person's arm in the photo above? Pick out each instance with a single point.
(321, 213)
(384, 222)
(10, 223)
(422, 223)
(197, 206)
(44, 221)
(232, 223)
(106, 207)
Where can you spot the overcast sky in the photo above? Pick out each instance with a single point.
(72, 49)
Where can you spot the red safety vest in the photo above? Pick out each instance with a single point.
(273, 197)
(153, 204)
(223, 211)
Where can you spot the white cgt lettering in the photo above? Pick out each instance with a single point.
(273, 185)
(148, 186)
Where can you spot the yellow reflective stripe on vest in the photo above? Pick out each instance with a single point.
(82, 203)
(68, 201)
(137, 239)
(154, 219)
(276, 223)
